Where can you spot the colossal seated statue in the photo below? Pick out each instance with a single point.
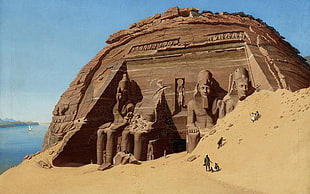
(202, 109)
(239, 88)
(122, 112)
(137, 128)
(150, 123)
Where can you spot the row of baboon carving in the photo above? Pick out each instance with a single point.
(227, 36)
(213, 37)
(154, 46)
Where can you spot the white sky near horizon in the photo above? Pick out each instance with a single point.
(44, 44)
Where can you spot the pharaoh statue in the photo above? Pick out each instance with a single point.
(148, 123)
(203, 109)
(137, 128)
(122, 112)
(239, 88)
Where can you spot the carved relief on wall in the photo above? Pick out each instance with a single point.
(226, 36)
(179, 95)
(154, 45)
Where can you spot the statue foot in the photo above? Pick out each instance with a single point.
(105, 166)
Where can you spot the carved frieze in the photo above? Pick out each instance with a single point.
(239, 35)
(154, 45)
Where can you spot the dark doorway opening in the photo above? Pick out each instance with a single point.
(179, 145)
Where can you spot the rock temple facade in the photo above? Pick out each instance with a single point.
(155, 64)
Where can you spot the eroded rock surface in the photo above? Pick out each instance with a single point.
(163, 54)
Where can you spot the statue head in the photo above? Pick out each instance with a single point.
(122, 89)
(124, 83)
(241, 82)
(204, 85)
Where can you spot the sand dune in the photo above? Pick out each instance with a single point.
(271, 155)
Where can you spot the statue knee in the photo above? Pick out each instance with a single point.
(193, 139)
(109, 133)
(100, 132)
(125, 134)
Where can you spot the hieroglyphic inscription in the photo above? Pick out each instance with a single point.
(226, 36)
(154, 45)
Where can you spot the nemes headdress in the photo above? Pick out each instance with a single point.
(241, 73)
(204, 77)
(124, 83)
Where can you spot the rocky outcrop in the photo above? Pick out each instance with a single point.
(157, 52)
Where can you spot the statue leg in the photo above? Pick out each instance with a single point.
(138, 145)
(125, 145)
(110, 146)
(100, 145)
(193, 139)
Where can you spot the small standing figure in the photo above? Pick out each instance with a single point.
(257, 89)
(220, 142)
(207, 162)
(179, 95)
(180, 90)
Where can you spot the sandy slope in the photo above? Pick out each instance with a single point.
(271, 155)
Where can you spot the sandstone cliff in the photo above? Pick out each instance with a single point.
(161, 49)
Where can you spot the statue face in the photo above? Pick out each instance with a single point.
(204, 83)
(122, 88)
(122, 85)
(242, 89)
(122, 92)
(204, 90)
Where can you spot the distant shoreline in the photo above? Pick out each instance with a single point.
(14, 124)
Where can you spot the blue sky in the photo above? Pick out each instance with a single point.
(44, 44)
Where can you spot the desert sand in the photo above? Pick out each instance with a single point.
(270, 155)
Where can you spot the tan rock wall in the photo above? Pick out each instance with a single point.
(176, 44)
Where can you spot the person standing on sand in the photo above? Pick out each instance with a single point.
(220, 142)
(207, 162)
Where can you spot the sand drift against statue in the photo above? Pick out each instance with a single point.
(163, 81)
